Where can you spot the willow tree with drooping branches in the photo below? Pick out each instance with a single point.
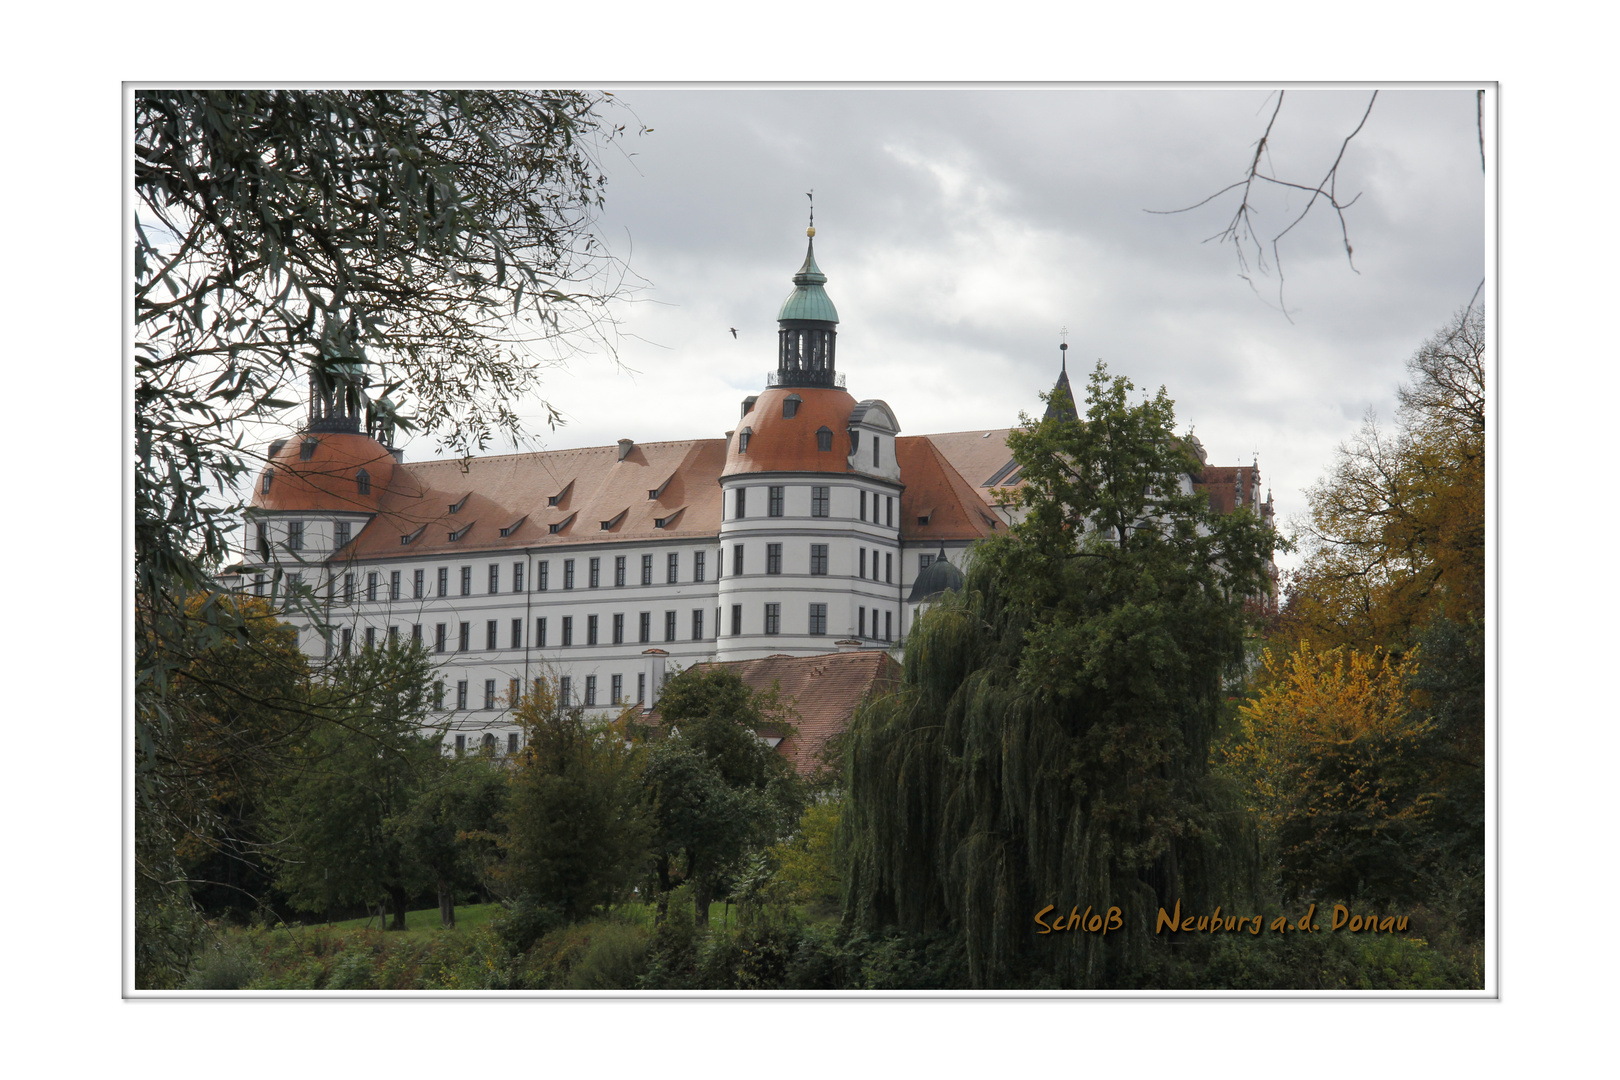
(1050, 740)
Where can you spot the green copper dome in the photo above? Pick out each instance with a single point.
(808, 300)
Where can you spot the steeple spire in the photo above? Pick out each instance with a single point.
(808, 324)
(1060, 403)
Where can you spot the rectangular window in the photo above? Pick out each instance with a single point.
(876, 443)
(371, 637)
(774, 504)
(618, 570)
(517, 577)
(818, 559)
(511, 742)
(888, 567)
(544, 581)
(618, 629)
(418, 583)
(438, 694)
(819, 501)
(444, 581)
(461, 742)
(641, 688)
(697, 565)
(466, 581)
(340, 533)
(888, 510)
(295, 536)
(616, 683)
(489, 634)
(742, 502)
(540, 633)
(862, 629)
(863, 506)
(494, 578)
(461, 696)
(590, 690)
(672, 569)
(818, 618)
(669, 626)
(259, 544)
(736, 619)
(438, 638)
(697, 624)
(466, 636)
(489, 693)
(773, 618)
(393, 585)
(348, 642)
(863, 562)
(416, 633)
(737, 559)
(596, 572)
(258, 585)
(567, 630)
(371, 586)
(646, 627)
(646, 569)
(565, 691)
(590, 629)
(773, 558)
(888, 626)
(348, 588)
(568, 573)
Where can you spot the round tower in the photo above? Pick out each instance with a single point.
(810, 529)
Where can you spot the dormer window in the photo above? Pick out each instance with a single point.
(614, 520)
(556, 500)
(459, 533)
(512, 528)
(362, 481)
(854, 440)
(455, 508)
(824, 438)
(742, 440)
(790, 406)
(411, 537)
(306, 449)
(264, 485)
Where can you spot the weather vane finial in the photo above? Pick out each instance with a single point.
(1063, 347)
(811, 195)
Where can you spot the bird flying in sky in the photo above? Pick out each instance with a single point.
(733, 330)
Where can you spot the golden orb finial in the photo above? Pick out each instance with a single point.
(811, 232)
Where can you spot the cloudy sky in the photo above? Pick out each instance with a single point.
(961, 228)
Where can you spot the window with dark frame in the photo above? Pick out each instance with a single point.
(596, 572)
(511, 742)
(888, 626)
(863, 562)
(818, 559)
(568, 573)
(416, 633)
(616, 683)
(466, 581)
(540, 632)
(489, 693)
(340, 534)
(517, 577)
(543, 582)
(697, 565)
(773, 618)
(737, 559)
(295, 536)
(591, 623)
(774, 501)
(819, 500)
(438, 637)
(347, 641)
(371, 637)
(863, 505)
(818, 618)
(444, 581)
(824, 439)
(590, 690)
(924, 562)
(494, 578)
(861, 632)
(736, 619)
(466, 637)
(418, 583)
(461, 703)
(393, 585)
(645, 627)
(348, 588)
(742, 502)
(672, 568)
(618, 570)
(888, 567)
(618, 628)
(489, 633)
(371, 587)
(669, 626)
(362, 482)
(888, 512)
(773, 558)
(565, 691)
(567, 630)
(646, 569)
(697, 624)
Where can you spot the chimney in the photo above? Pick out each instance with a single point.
(655, 675)
(748, 403)
(625, 446)
(849, 645)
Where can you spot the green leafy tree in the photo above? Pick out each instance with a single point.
(369, 758)
(394, 250)
(575, 839)
(716, 791)
(446, 829)
(1050, 739)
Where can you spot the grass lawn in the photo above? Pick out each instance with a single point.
(425, 921)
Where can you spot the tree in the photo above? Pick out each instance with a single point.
(388, 250)
(575, 838)
(716, 792)
(1049, 740)
(1395, 533)
(445, 830)
(1334, 756)
(368, 760)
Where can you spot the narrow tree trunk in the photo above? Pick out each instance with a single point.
(397, 895)
(663, 890)
(447, 905)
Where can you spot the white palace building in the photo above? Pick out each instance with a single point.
(813, 527)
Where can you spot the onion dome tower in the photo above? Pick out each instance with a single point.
(807, 327)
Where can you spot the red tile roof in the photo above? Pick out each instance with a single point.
(824, 690)
(933, 488)
(783, 444)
